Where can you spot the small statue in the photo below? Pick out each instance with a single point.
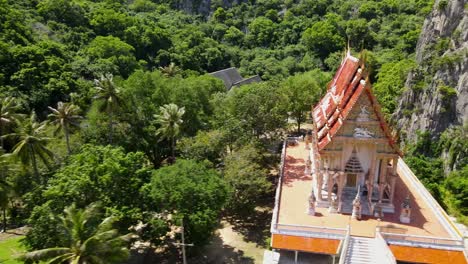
(308, 166)
(356, 214)
(360, 132)
(378, 211)
(311, 206)
(333, 205)
(405, 215)
(363, 115)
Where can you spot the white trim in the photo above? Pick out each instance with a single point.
(436, 208)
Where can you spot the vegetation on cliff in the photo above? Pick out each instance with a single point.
(147, 133)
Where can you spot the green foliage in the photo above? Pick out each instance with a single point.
(108, 55)
(84, 239)
(247, 178)
(104, 174)
(191, 191)
(63, 11)
(206, 145)
(257, 107)
(301, 92)
(51, 51)
(10, 245)
(456, 194)
(390, 84)
(448, 154)
(442, 5)
(261, 32)
(323, 38)
(447, 92)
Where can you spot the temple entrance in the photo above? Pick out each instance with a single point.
(351, 179)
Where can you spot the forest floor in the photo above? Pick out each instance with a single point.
(10, 245)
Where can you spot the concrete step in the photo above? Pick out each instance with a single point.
(363, 250)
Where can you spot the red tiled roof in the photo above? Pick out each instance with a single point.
(307, 244)
(343, 92)
(427, 255)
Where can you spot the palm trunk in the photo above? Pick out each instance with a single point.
(34, 163)
(4, 220)
(111, 127)
(173, 149)
(67, 138)
(1, 138)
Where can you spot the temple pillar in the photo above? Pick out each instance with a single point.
(370, 185)
(340, 181)
(382, 177)
(319, 185)
(393, 176)
(329, 185)
(383, 170)
(392, 187)
(381, 191)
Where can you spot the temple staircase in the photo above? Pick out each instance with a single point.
(366, 250)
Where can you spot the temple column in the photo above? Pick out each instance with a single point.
(393, 176)
(329, 185)
(383, 170)
(382, 178)
(341, 177)
(370, 185)
(319, 185)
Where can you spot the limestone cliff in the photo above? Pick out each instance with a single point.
(436, 94)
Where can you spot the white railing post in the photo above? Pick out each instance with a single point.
(383, 244)
(344, 249)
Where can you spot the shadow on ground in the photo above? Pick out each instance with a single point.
(219, 253)
(254, 227)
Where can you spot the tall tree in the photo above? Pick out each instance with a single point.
(170, 120)
(64, 116)
(8, 115)
(5, 189)
(109, 94)
(302, 91)
(170, 70)
(85, 243)
(32, 143)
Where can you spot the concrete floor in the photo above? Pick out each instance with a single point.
(287, 257)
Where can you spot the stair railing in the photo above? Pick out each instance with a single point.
(383, 244)
(344, 248)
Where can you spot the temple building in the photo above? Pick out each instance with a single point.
(344, 190)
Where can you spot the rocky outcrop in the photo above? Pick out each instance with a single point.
(436, 94)
(204, 7)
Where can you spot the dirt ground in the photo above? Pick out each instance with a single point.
(13, 233)
(229, 246)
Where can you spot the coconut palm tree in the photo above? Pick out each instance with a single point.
(85, 244)
(64, 116)
(169, 71)
(6, 188)
(170, 120)
(109, 94)
(8, 115)
(32, 143)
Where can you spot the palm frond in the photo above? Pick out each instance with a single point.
(44, 254)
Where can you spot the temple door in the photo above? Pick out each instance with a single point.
(351, 179)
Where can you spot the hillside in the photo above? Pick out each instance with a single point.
(110, 123)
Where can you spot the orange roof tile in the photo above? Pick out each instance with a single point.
(307, 244)
(343, 91)
(427, 255)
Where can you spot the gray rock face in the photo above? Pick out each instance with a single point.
(436, 94)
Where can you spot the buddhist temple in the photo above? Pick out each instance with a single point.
(345, 191)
